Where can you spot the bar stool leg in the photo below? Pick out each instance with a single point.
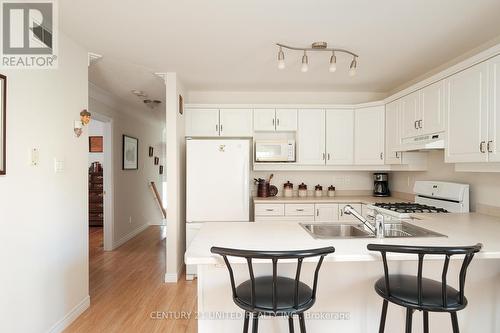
(245, 322)
(302, 323)
(426, 322)
(454, 322)
(291, 329)
(255, 323)
(381, 328)
(409, 316)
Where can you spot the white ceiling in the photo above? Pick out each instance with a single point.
(229, 45)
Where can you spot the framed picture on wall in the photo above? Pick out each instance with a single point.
(130, 153)
(95, 144)
(3, 111)
(181, 105)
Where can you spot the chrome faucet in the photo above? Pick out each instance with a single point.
(378, 230)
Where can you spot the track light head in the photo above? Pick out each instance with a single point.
(305, 63)
(281, 59)
(333, 63)
(353, 66)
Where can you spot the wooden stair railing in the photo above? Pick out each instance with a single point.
(158, 199)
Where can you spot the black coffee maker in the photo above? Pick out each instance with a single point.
(381, 185)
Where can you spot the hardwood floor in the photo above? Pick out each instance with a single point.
(127, 292)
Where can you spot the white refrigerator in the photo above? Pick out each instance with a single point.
(217, 184)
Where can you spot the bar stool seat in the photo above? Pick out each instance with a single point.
(404, 292)
(285, 296)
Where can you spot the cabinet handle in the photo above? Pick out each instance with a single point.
(278, 122)
(397, 154)
(269, 210)
(221, 127)
(415, 124)
(381, 156)
(273, 122)
(216, 127)
(421, 124)
(328, 156)
(317, 212)
(299, 210)
(481, 147)
(324, 156)
(490, 146)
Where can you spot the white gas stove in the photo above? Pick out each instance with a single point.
(430, 197)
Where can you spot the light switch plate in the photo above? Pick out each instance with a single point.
(34, 157)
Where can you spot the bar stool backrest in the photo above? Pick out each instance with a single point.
(274, 257)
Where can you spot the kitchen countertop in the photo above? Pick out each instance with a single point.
(461, 229)
(325, 199)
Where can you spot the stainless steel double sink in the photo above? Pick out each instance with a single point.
(391, 230)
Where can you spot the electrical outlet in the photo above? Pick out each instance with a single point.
(34, 157)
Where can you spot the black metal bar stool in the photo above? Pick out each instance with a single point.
(422, 294)
(274, 295)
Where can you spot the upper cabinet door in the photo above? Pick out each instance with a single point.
(264, 120)
(466, 107)
(286, 120)
(202, 122)
(392, 133)
(236, 122)
(311, 137)
(339, 137)
(493, 144)
(369, 135)
(410, 115)
(432, 115)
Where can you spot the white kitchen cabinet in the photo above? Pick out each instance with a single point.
(202, 122)
(215, 122)
(347, 217)
(431, 114)
(286, 120)
(311, 137)
(235, 122)
(326, 213)
(410, 115)
(369, 136)
(264, 120)
(493, 146)
(339, 137)
(393, 133)
(271, 120)
(467, 118)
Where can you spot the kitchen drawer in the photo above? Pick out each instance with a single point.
(299, 209)
(269, 209)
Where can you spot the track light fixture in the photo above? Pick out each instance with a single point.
(281, 59)
(317, 46)
(305, 63)
(353, 66)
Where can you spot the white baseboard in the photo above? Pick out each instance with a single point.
(129, 236)
(160, 222)
(70, 316)
(174, 277)
(171, 277)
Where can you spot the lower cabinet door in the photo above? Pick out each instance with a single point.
(326, 213)
(348, 218)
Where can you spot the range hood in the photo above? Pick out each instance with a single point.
(423, 142)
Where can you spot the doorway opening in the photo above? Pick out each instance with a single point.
(100, 180)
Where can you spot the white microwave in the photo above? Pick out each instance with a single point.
(275, 151)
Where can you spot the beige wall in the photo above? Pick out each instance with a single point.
(43, 214)
(282, 97)
(134, 204)
(484, 187)
(176, 180)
